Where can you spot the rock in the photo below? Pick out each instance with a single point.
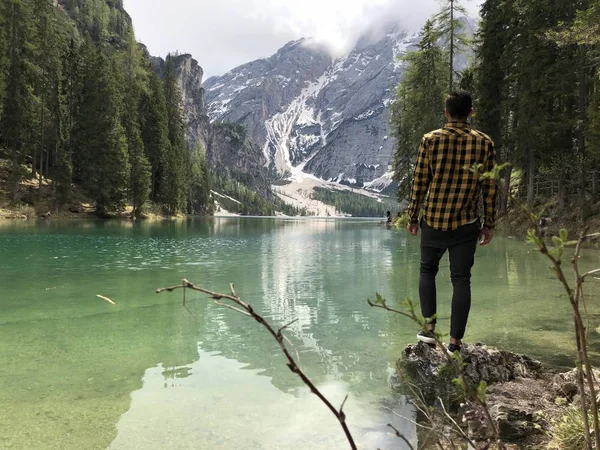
(521, 393)
(493, 366)
(228, 147)
(565, 385)
(482, 363)
(76, 209)
(516, 409)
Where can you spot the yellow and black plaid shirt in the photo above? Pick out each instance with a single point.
(444, 187)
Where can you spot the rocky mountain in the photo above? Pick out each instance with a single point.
(190, 74)
(313, 113)
(228, 147)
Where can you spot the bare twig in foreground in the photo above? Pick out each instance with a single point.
(456, 425)
(401, 436)
(106, 299)
(246, 309)
(575, 294)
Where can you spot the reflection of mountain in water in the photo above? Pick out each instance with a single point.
(329, 306)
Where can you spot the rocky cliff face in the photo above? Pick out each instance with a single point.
(228, 147)
(256, 92)
(309, 112)
(189, 76)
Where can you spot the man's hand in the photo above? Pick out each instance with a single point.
(413, 228)
(485, 236)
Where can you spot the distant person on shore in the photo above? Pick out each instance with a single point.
(543, 226)
(448, 194)
(388, 220)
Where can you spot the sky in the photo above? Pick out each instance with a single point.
(223, 34)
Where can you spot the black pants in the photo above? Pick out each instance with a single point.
(461, 245)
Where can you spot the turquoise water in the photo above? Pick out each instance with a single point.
(78, 373)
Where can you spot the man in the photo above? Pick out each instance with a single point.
(448, 192)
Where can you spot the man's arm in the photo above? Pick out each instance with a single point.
(489, 190)
(420, 184)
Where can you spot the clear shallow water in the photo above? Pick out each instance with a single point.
(77, 373)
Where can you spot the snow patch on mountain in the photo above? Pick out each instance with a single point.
(401, 47)
(281, 147)
(379, 184)
(314, 114)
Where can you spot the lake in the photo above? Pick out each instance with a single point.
(78, 373)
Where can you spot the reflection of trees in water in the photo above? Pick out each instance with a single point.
(322, 280)
(84, 369)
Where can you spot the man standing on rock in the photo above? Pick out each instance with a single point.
(448, 193)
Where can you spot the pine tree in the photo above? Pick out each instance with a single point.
(133, 82)
(50, 43)
(71, 90)
(419, 104)
(492, 107)
(99, 138)
(173, 192)
(19, 102)
(3, 51)
(451, 31)
(155, 132)
(531, 100)
(139, 183)
(199, 182)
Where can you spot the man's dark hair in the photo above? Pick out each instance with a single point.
(459, 104)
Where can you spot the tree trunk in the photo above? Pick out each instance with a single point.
(48, 155)
(505, 193)
(531, 178)
(14, 185)
(562, 193)
(451, 46)
(34, 160)
(43, 125)
(153, 193)
(583, 98)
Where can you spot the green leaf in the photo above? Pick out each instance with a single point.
(532, 237)
(408, 303)
(481, 391)
(379, 300)
(564, 234)
(459, 384)
(558, 243)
